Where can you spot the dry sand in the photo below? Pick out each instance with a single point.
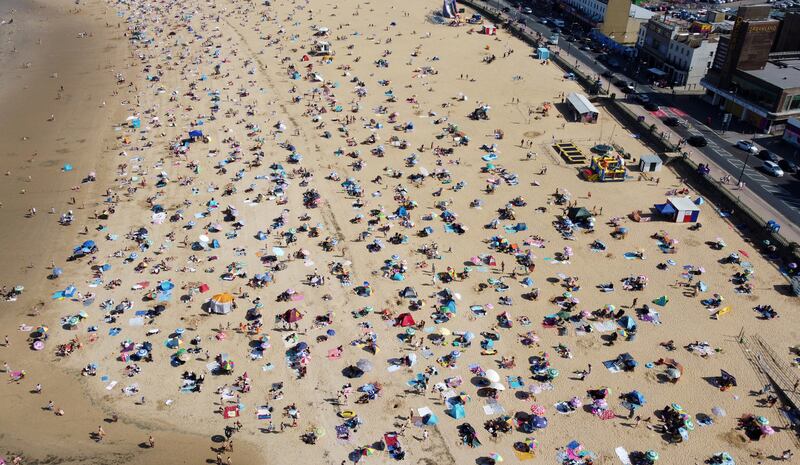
(87, 134)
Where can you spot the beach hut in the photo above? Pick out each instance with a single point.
(582, 109)
(221, 304)
(679, 209)
(650, 163)
(489, 29)
(543, 53)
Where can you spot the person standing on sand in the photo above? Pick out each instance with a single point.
(100, 433)
(151, 442)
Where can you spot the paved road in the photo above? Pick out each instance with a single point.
(782, 194)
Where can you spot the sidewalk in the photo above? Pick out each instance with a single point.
(695, 106)
(789, 230)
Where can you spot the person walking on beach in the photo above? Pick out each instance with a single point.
(100, 433)
(151, 442)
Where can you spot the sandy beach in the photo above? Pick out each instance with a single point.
(316, 164)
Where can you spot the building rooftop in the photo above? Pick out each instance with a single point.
(782, 74)
(694, 40)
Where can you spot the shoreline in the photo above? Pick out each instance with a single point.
(257, 96)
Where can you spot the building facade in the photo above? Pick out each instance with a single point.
(614, 21)
(670, 54)
(756, 74)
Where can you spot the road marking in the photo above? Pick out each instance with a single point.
(678, 112)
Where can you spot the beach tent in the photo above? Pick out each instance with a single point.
(408, 293)
(578, 214)
(457, 411)
(292, 315)
(221, 304)
(649, 163)
(404, 320)
(489, 29)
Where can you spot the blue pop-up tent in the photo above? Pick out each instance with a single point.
(457, 411)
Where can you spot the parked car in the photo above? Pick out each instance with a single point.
(671, 121)
(650, 106)
(607, 73)
(697, 141)
(768, 156)
(643, 98)
(628, 87)
(772, 168)
(747, 146)
(787, 166)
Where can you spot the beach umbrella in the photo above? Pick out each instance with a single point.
(301, 346)
(497, 387)
(651, 455)
(38, 345)
(364, 365)
(719, 411)
(221, 303)
(762, 420)
(539, 422)
(492, 376)
(538, 410)
(496, 457)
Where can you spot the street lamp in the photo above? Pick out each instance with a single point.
(744, 167)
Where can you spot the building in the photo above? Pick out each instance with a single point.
(792, 132)
(581, 108)
(614, 23)
(788, 36)
(671, 52)
(755, 76)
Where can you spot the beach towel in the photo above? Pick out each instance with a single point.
(623, 455)
(111, 385)
(514, 382)
(523, 456)
(263, 413)
(334, 354)
(605, 327)
(493, 409)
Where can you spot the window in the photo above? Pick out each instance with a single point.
(793, 103)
